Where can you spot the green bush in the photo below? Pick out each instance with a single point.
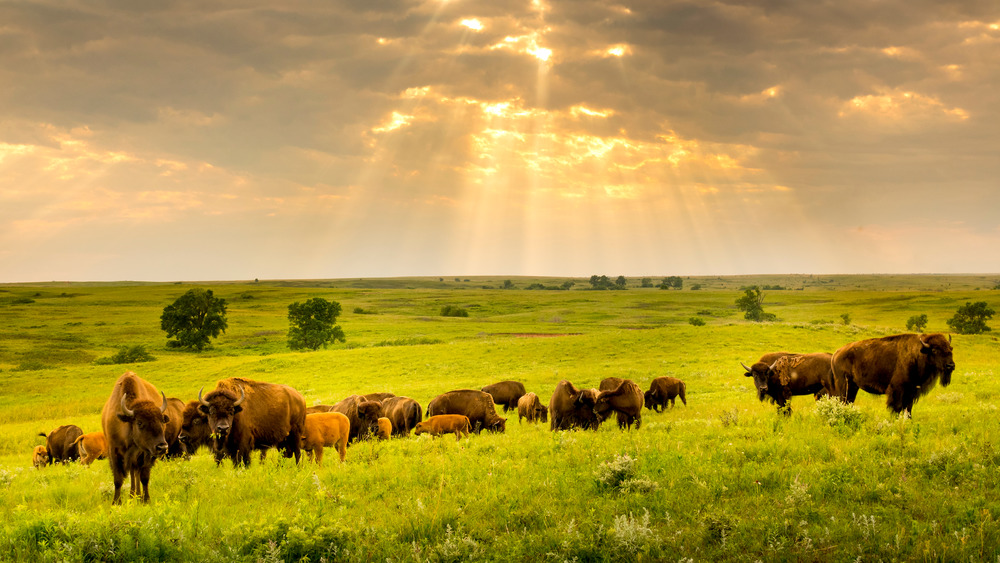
(453, 311)
(917, 323)
(697, 321)
(126, 355)
(971, 318)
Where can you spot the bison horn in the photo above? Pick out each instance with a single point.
(125, 410)
(243, 397)
(163, 406)
(200, 400)
(745, 367)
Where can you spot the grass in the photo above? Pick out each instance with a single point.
(724, 478)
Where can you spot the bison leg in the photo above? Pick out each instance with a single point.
(118, 472)
(318, 450)
(638, 420)
(144, 473)
(342, 447)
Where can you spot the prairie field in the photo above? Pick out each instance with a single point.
(724, 477)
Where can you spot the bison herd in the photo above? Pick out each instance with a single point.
(140, 424)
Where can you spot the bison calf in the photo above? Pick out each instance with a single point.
(40, 457)
(530, 406)
(384, 428)
(92, 446)
(445, 424)
(325, 429)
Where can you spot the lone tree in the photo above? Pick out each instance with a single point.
(672, 282)
(312, 324)
(752, 303)
(193, 319)
(971, 318)
(917, 323)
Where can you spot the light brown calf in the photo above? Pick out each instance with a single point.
(444, 424)
(384, 428)
(325, 429)
(92, 446)
(40, 457)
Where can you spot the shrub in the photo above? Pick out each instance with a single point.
(127, 355)
(917, 323)
(612, 474)
(971, 318)
(845, 318)
(697, 321)
(839, 414)
(453, 311)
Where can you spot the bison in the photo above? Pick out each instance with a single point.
(175, 411)
(789, 375)
(530, 406)
(570, 407)
(663, 390)
(403, 412)
(444, 424)
(194, 432)
(245, 415)
(505, 393)
(39, 457)
(362, 413)
(325, 429)
(384, 428)
(92, 446)
(133, 426)
(903, 367)
(60, 443)
(477, 405)
(623, 397)
(380, 397)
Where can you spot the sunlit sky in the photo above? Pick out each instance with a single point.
(363, 138)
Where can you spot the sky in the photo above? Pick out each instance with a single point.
(180, 140)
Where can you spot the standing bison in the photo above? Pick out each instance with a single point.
(477, 405)
(133, 422)
(530, 406)
(903, 367)
(194, 432)
(789, 375)
(362, 413)
(61, 443)
(172, 431)
(506, 393)
(92, 446)
(663, 390)
(623, 397)
(570, 407)
(403, 412)
(323, 429)
(245, 415)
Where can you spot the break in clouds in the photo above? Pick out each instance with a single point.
(458, 137)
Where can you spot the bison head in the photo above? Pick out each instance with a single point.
(497, 425)
(220, 408)
(648, 400)
(761, 373)
(146, 421)
(542, 413)
(368, 414)
(938, 353)
(194, 428)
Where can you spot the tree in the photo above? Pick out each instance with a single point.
(971, 318)
(646, 282)
(621, 282)
(672, 282)
(312, 324)
(917, 323)
(193, 319)
(507, 284)
(752, 303)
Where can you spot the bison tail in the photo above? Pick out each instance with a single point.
(683, 392)
(43, 434)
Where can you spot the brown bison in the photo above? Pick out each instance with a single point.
(382, 396)
(477, 405)
(362, 413)
(194, 432)
(245, 415)
(505, 393)
(384, 428)
(60, 443)
(325, 429)
(788, 375)
(663, 390)
(623, 397)
(39, 457)
(445, 424)
(403, 412)
(570, 407)
(318, 408)
(903, 367)
(133, 422)
(172, 431)
(92, 446)
(530, 406)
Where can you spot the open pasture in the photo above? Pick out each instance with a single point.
(723, 478)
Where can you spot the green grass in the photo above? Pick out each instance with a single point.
(724, 478)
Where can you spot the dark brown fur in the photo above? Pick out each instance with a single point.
(362, 413)
(60, 443)
(172, 430)
(134, 440)
(477, 405)
(570, 407)
(382, 396)
(663, 390)
(194, 432)
(271, 415)
(903, 367)
(530, 406)
(403, 412)
(625, 400)
(505, 393)
(779, 376)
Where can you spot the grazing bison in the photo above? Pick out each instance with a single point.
(505, 393)
(789, 375)
(477, 405)
(623, 397)
(362, 413)
(663, 390)
(92, 446)
(403, 412)
(194, 432)
(570, 407)
(325, 429)
(378, 396)
(903, 367)
(39, 457)
(60, 443)
(384, 428)
(445, 424)
(245, 415)
(133, 421)
(530, 406)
